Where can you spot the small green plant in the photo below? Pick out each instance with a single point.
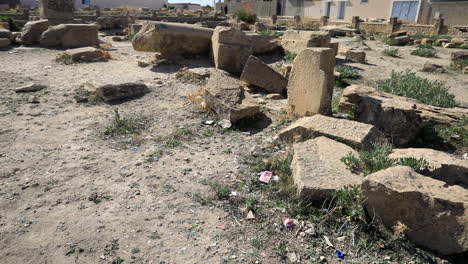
(390, 41)
(251, 204)
(206, 133)
(123, 124)
(377, 159)
(350, 200)
(131, 36)
(13, 26)
(154, 156)
(391, 52)
(407, 84)
(281, 250)
(222, 191)
(456, 133)
(118, 260)
(459, 64)
(172, 142)
(290, 56)
(245, 16)
(348, 72)
(425, 50)
(64, 58)
(154, 236)
(184, 131)
(135, 250)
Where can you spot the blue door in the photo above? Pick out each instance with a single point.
(405, 10)
(341, 9)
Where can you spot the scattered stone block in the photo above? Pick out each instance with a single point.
(32, 32)
(5, 33)
(465, 70)
(448, 45)
(441, 42)
(57, 11)
(436, 214)
(401, 41)
(335, 46)
(318, 172)
(296, 41)
(135, 28)
(225, 95)
(356, 55)
(442, 166)
(4, 42)
(458, 41)
(459, 55)
(32, 87)
(70, 36)
(173, 39)
(426, 41)
(352, 133)
(231, 49)
(87, 54)
(431, 67)
(118, 92)
(398, 34)
(261, 75)
(399, 118)
(263, 43)
(310, 87)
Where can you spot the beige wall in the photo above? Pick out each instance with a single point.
(372, 9)
(117, 3)
(454, 13)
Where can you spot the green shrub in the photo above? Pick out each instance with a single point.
(391, 52)
(459, 64)
(290, 56)
(13, 26)
(377, 159)
(407, 84)
(348, 72)
(245, 16)
(425, 50)
(64, 58)
(390, 41)
(121, 125)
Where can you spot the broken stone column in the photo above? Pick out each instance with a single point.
(57, 11)
(231, 49)
(261, 75)
(310, 87)
(296, 41)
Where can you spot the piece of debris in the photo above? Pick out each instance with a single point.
(32, 87)
(289, 223)
(292, 257)
(327, 241)
(265, 176)
(250, 215)
(225, 124)
(339, 254)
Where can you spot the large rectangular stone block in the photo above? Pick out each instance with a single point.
(58, 11)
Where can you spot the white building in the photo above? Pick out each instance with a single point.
(117, 3)
(186, 6)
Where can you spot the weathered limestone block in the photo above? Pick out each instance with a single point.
(352, 133)
(71, 36)
(431, 67)
(173, 39)
(310, 87)
(459, 55)
(442, 166)
(401, 41)
(261, 75)
(436, 214)
(4, 25)
(87, 54)
(296, 41)
(318, 172)
(356, 55)
(4, 42)
(57, 11)
(5, 33)
(225, 95)
(263, 43)
(111, 22)
(399, 118)
(32, 32)
(231, 49)
(335, 46)
(117, 92)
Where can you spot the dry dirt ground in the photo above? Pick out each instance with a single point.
(70, 194)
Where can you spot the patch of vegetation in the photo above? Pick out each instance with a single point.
(172, 142)
(390, 41)
(118, 260)
(13, 26)
(124, 124)
(425, 50)
(391, 52)
(222, 191)
(131, 36)
(64, 58)
(453, 138)
(154, 236)
(407, 84)
(290, 56)
(434, 38)
(154, 156)
(206, 133)
(84, 96)
(245, 16)
(377, 159)
(348, 72)
(271, 33)
(459, 64)
(457, 133)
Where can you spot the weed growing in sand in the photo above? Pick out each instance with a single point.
(459, 64)
(377, 159)
(172, 142)
(124, 124)
(290, 56)
(391, 52)
(222, 191)
(407, 84)
(348, 72)
(206, 133)
(245, 16)
(426, 51)
(64, 58)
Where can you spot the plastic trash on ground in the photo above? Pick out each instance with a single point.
(265, 176)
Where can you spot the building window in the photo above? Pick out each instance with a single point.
(364, 1)
(86, 2)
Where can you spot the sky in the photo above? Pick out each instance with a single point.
(201, 2)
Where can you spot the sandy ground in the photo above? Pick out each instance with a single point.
(68, 194)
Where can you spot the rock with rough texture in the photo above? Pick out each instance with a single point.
(398, 34)
(225, 95)
(296, 41)
(259, 27)
(32, 87)
(318, 172)
(352, 133)
(110, 22)
(4, 25)
(261, 75)
(32, 32)
(441, 42)
(399, 118)
(111, 93)
(431, 67)
(426, 41)
(263, 43)
(173, 39)
(70, 36)
(459, 55)
(311, 82)
(4, 42)
(231, 49)
(335, 46)
(5, 33)
(401, 41)
(356, 55)
(436, 214)
(87, 54)
(441, 166)
(458, 41)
